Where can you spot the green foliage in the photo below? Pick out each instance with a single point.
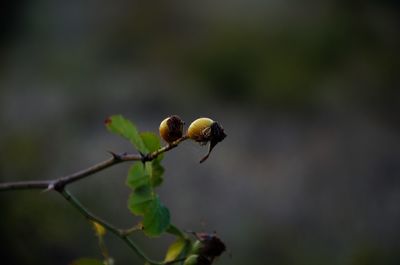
(156, 218)
(155, 172)
(140, 199)
(137, 176)
(175, 249)
(153, 168)
(145, 202)
(125, 128)
(143, 177)
(152, 143)
(191, 260)
(173, 230)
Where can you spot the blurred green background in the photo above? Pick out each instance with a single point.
(307, 91)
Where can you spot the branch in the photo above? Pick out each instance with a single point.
(60, 183)
(25, 185)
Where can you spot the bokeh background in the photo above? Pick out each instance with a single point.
(307, 91)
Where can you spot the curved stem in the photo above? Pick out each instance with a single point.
(85, 212)
(133, 246)
(119, 233)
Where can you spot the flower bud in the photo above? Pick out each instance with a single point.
(171, 128)
(211, 245)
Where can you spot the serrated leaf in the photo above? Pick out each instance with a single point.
(175, 249)
(152, 143)
(140, 200)
(156, 218)
(155, 172)
(121, 126)
(87, 261)
(137, 176)
(150, 140)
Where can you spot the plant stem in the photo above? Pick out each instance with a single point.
(85, 212)
(60, 183)
(25, 185)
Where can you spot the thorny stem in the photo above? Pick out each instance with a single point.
(59, 185)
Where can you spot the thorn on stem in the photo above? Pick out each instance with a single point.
(115, 156)
(50, 187)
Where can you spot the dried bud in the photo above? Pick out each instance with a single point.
(205, 130)
(171, 128)
(211, 245)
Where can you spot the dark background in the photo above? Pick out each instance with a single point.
(307, 91)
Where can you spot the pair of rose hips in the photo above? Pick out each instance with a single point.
(202, 130)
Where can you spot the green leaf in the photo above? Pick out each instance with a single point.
(153, 168)
(155, 172)
(156, 218)
(140, 200)
(175, 250)
(173, 230)
(121, 126)
(87, 261)
(137, 176)
(152, 143)
(185, 252)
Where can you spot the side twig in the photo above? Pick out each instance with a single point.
(118, 232)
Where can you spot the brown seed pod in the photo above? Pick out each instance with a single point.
(204, 130)
(171, 128)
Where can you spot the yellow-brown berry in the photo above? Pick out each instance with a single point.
(171, 128)
(200, 130)
(206, 130)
